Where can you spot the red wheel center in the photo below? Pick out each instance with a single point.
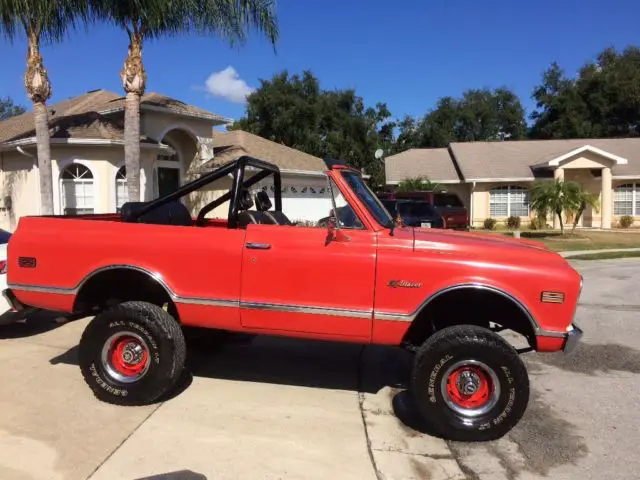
(129, 356)
(469, 387)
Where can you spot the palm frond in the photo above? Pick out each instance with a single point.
(49, 19)
(227, 19)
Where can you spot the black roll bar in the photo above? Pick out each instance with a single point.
(235, 167)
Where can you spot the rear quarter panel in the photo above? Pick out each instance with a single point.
(195, 263)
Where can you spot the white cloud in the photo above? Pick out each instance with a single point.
(228, 85)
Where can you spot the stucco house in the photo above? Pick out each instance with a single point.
(177, 143)
(305, 194)
(493, 179)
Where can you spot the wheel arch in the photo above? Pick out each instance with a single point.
(454, 304)
(119, 283)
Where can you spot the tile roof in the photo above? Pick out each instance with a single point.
(235, 143)
(157, 100)
(86, 116)
(434, 163)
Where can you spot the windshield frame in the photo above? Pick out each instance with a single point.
(369, 200)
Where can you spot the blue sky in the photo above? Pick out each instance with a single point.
(407, 53)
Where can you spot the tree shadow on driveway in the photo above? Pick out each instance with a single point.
(286, 361)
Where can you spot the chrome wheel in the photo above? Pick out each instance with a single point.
(125, 357)
(470, 388)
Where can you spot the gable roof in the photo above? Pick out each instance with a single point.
(433, 163)
(230, 145)
(515, 159)
(90, 116)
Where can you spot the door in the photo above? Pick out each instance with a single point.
(168, 180)
(297, 279)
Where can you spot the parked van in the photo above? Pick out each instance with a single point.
(446, 204)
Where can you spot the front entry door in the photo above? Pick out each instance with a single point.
(168, 180)
(295, 280)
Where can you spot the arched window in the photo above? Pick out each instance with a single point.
(122, 193)
(508, 200)
(76, 187)
(626, 199)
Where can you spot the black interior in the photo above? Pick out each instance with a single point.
(172, 213)
(168, 210)
(261, 215)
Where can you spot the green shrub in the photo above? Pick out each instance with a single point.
(626, 221)
(538, 223)
(490, 223)
(513, 223)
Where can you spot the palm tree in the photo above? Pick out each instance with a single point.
(585, 199)
(555, 197)
(46, 20)
(149, 19)
(418, 184)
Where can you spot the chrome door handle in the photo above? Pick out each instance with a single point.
(258, 246)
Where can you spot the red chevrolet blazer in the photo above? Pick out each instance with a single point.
(151, 270)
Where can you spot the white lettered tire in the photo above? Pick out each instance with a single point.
(132, 353)
(469, 384)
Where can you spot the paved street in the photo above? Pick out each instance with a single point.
(582, 422)
(279, 408)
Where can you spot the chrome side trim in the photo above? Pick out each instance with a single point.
(339, 312)
(394, 317)
(410, 317)
(153, 275)
(210, 302)
(42, 289)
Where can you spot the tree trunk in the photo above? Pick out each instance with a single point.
(133, 81)
(578, 216)
(44, 158)
(561, 223)
(132, 145)
(38, 87)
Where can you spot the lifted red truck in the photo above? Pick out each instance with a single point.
(152, 269)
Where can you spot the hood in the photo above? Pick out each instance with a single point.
(482, 245)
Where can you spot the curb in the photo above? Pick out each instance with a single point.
(569, 254)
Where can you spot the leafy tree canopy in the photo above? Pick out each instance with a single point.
(9, 109)
(603, 100)
(479, 115)
(295, 111)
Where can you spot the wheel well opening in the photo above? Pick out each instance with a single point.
(122, 285)
(470, 306)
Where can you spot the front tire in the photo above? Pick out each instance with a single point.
(469, 384)
(132, 353)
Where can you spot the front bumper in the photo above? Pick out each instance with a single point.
(572, 339)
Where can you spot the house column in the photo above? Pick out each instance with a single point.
(558, 175)
(606, 207)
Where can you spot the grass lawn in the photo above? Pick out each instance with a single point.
(581, 240)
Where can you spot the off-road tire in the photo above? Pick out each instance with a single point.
(166, 352)
(442, 351)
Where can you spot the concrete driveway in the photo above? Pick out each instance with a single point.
(275, 408)
(280, 408)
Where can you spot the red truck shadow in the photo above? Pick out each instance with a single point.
(286, 361)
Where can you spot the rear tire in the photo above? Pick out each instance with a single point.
(132, 353)
(469, 384)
